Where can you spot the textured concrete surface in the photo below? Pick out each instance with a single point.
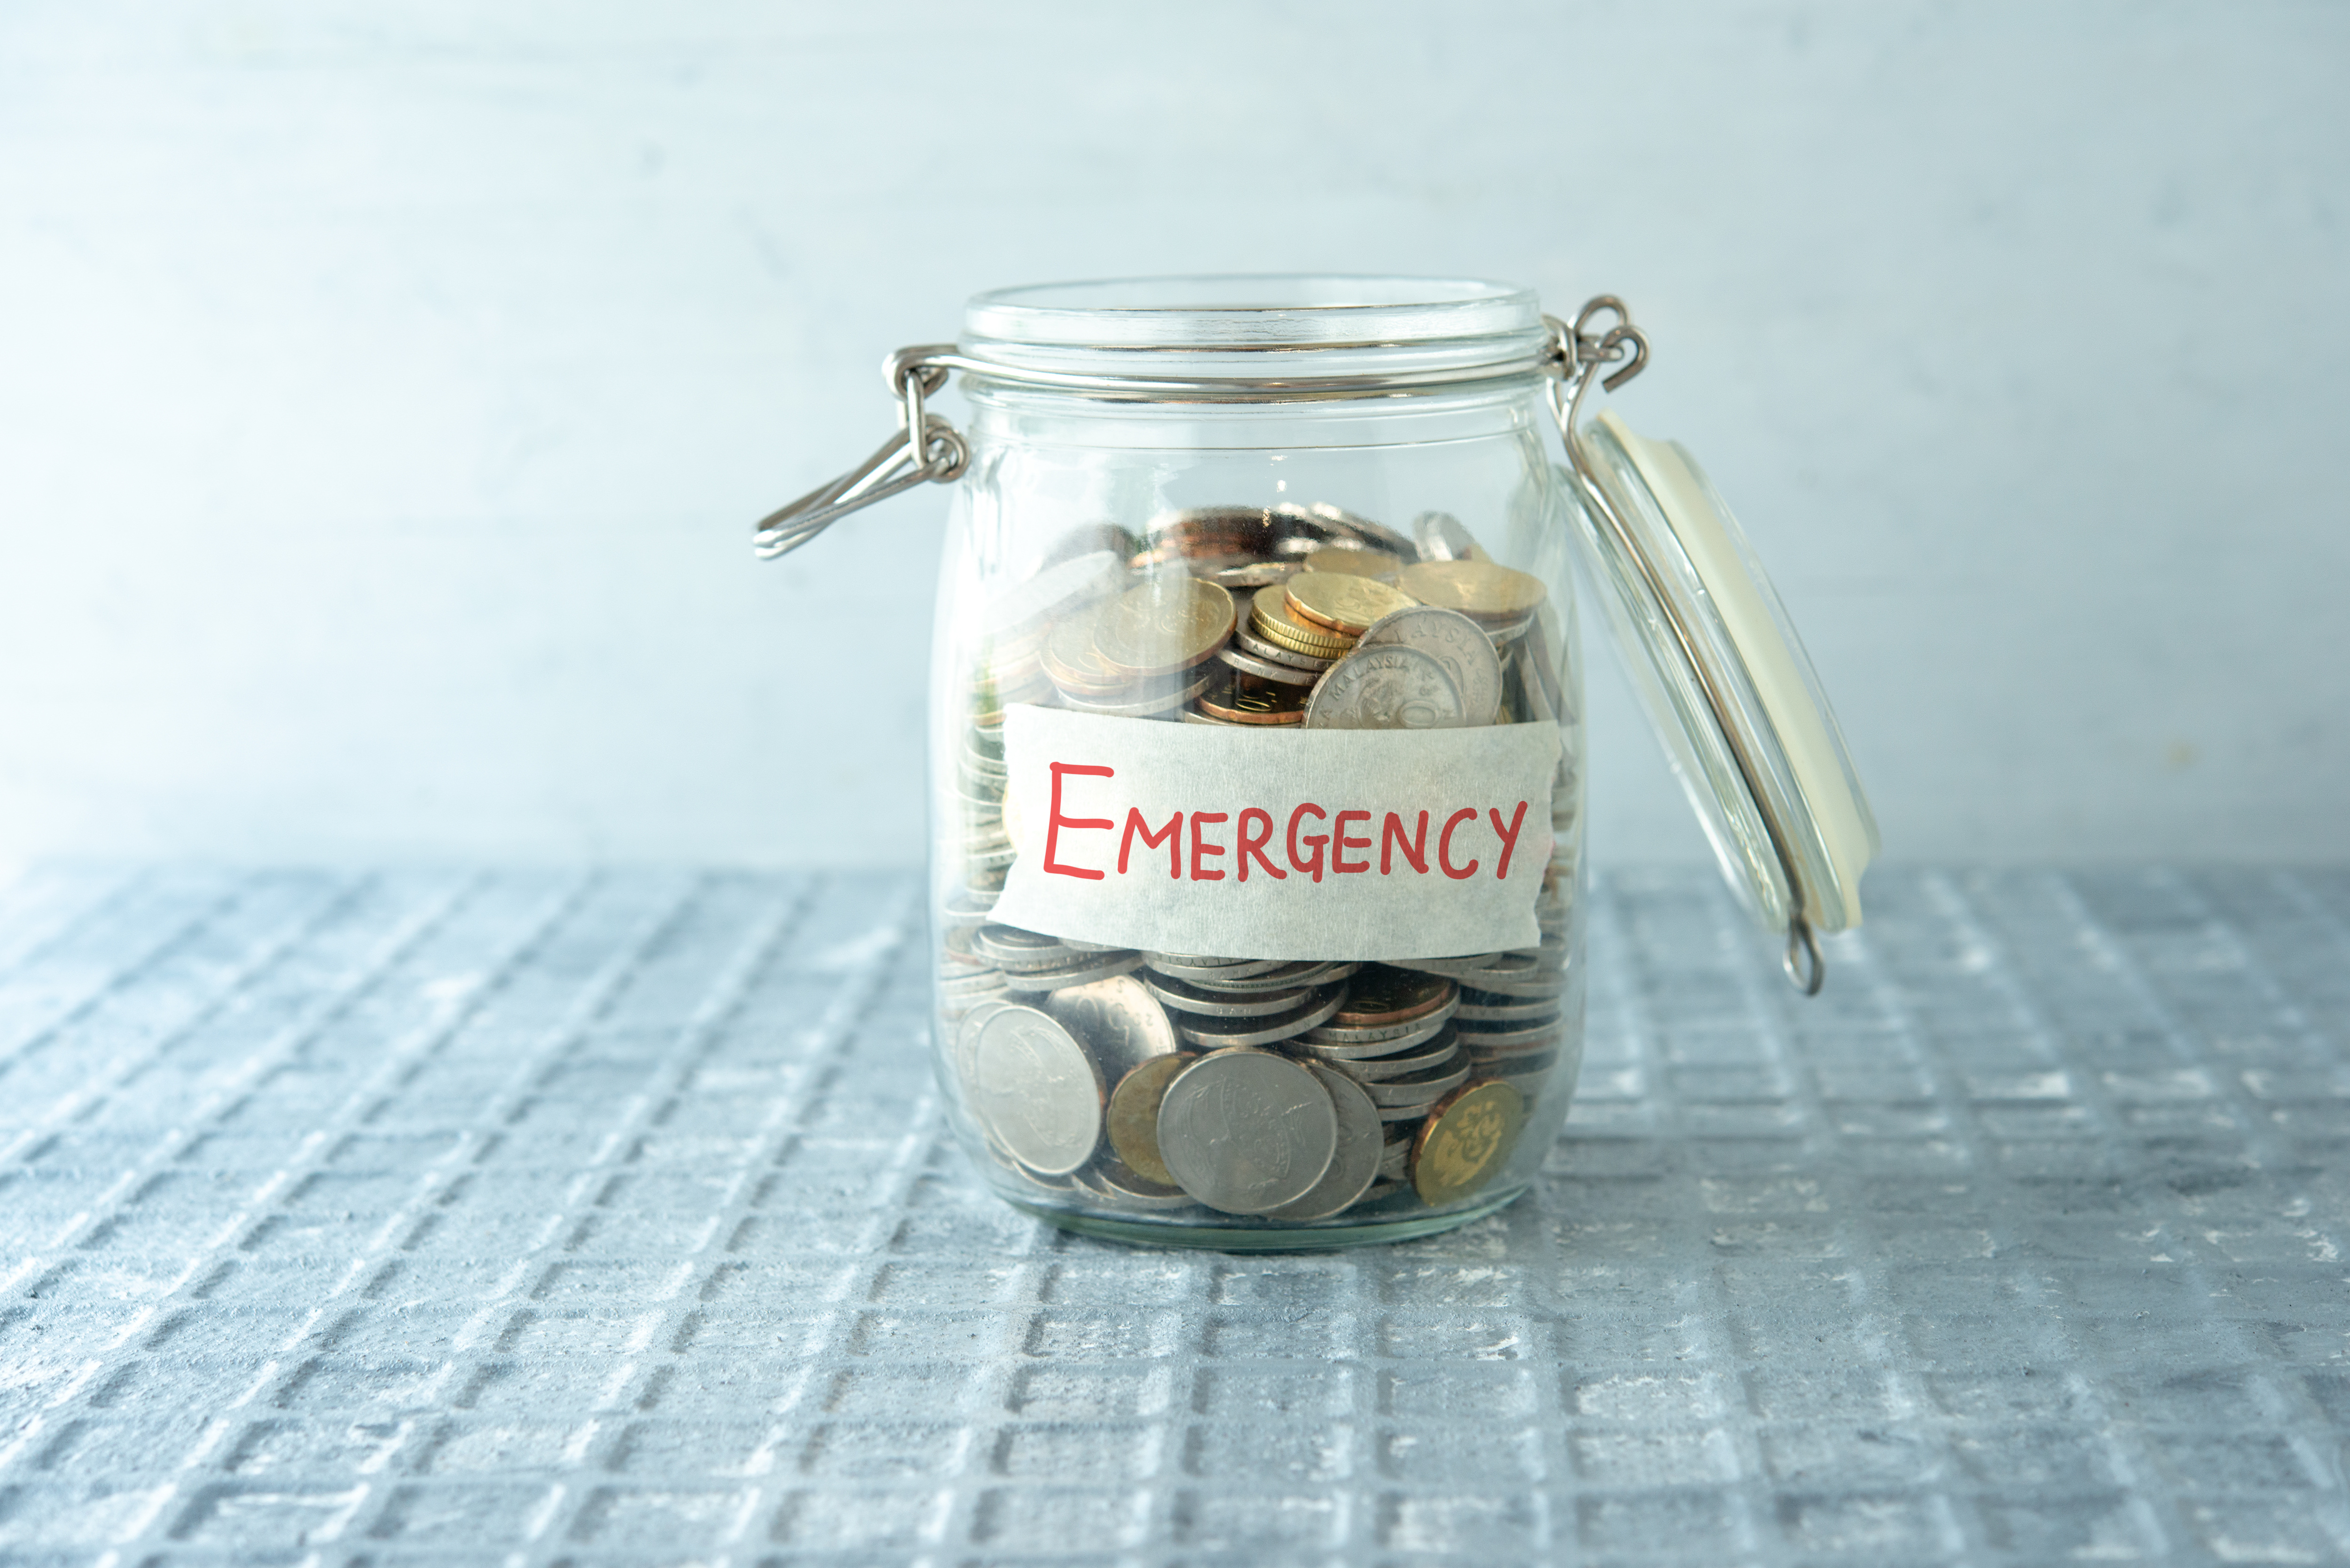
(388, 386)
(606, 1220)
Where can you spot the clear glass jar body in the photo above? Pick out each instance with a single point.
(1115, 1087)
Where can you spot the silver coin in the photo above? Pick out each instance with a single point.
(1142, 704)
(1395, 1158)
(1082, 970)
(1110, 1182)
(1264, 669)
(1439, 1053)
(1247, 1131)
(1117, 1020)
(1213, 970)
(1036, 1090)
(966, 1037)
(1454, 642)
(1011, 947)
(1515, 1069)
(1185, 997)
(1392, 1036)
(1218, 1034)
(1442, 536)
(1050, 595)
(1316, 1043)
(1489, 1037)
(967, 907)
(1281, 976)
(1386, 689)
(1274, 653)
(1355, 1163)
(1420, 1088)
(1480, 1007)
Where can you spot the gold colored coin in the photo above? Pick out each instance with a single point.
(1355, 563)
(1478, 589)
(1134, 1115)
(1070, 662)
(1171, 622)
(1270, 617)
(1465, 1141)
(1343, 603)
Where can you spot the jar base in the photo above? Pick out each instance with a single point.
(1270, 1239)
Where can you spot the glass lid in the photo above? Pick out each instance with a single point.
(1726, 681)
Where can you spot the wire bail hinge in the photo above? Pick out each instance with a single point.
(938, 453)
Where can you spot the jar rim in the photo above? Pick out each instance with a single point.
(1223, 313)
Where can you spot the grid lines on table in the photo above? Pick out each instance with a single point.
(537, 1217)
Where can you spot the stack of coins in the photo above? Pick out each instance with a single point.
(1292, 1090)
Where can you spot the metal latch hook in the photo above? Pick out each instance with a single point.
(938, 454)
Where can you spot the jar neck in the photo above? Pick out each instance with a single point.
(1005, 412)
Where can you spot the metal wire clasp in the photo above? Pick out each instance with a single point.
(1578, 352)
(937, 454)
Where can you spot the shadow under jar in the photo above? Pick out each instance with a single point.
(1257, 760)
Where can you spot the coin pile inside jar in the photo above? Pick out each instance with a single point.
(1296, 1090)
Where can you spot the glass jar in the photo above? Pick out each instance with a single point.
(1256, 754)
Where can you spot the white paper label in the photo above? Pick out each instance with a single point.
(1308, 844)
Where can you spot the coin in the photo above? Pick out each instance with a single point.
(1036, 1091)
(1034, 600)
(1456, 642)
(1014, 949)
(1121, 1188)
(1140, 701)
(1134, 1114)
(1219, 1033)
(1354, 1165)
(1479, 589)
(1247, 663)
(1497, 1037)
(1443, 537)
(1271, 618)
(1439, 1052)
(1354, 562)
(1082, 970)
(1467, 1137)
(966, 1039)
(1275, 975)
(1386, 689)
(1071, 662)
(1238, 699)
(1341, 602)
(1380, 995)
(1491, 1007)
(1171, 621)
(1395, 1158)
(1246, 1131)
(1117, 1020)
(1215, 971)
(1320, 1044)
(1421, 1088)
(1246, 640)
(1185, 997)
